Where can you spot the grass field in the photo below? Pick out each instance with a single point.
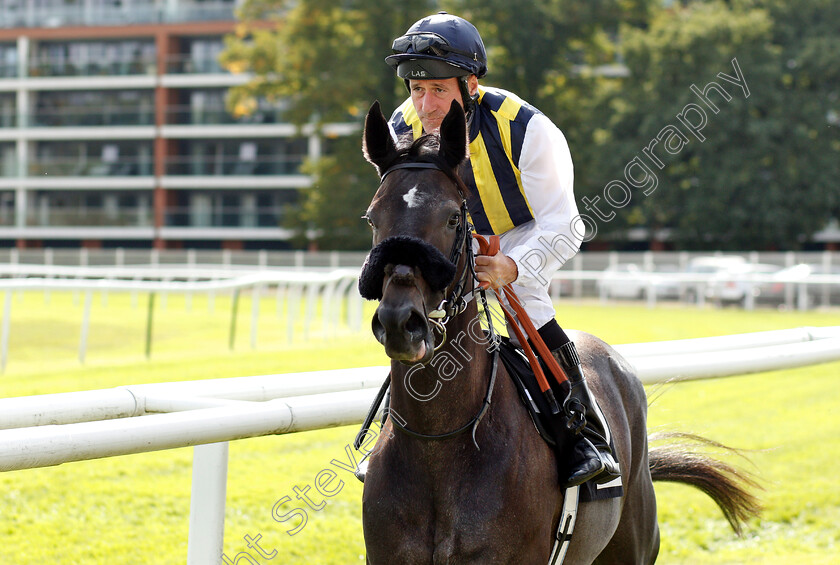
(134, 509)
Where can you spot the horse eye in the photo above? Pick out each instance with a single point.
(369, 221)
(454, 220)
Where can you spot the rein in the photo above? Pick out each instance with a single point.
(472, 423)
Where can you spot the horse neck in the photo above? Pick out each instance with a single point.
(444, 394)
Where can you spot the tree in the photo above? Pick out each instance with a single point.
(325, 59)
(531, 43)
(763, 173)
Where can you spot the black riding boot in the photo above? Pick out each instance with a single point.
(593, 458)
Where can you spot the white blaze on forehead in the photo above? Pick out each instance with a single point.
(414, 198)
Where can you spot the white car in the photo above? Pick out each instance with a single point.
(789, 279)
(728, 280)
(733, 285)
(630, 281)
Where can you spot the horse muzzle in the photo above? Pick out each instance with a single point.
(400, 322)
(405, 334)
(400, 272)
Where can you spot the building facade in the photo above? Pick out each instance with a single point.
(114, 132)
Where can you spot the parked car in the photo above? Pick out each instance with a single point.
(776, 291)
(704, 267)
(630, 281)
(733, 285)
(726, 280)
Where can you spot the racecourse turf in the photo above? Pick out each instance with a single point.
(134, 509)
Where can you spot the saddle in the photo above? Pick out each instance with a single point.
(549, 425)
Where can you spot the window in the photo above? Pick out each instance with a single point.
(82, 58)
(94, 108)
(92, 158)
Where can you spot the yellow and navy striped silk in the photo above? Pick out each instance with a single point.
(408, 117)
(497, 200)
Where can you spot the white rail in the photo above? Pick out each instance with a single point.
(331, 285)
(70, 419)
(44, 446)
(45, 430)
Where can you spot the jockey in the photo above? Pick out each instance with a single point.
(520, 178)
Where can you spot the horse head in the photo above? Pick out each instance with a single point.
(418, 219)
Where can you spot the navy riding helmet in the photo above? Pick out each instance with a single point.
(439, 46)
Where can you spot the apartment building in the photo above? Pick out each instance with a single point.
(114, 132)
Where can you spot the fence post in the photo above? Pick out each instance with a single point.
(48, 261)
(310, 306)
(789, 289)
(85, 326)
(280, 297)
(651, 293)
(233, 313)
(7, 312)
(149, 320)
(647, 261)
(256, 293)
(826, 263)
(191, 265)
(326, 306)
(207, 504)
(802, 296)
(355, 305)
(749, 296)
(292, 308)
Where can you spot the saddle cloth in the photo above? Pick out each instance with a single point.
(549, 426)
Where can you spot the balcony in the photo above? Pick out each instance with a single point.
(190, 115)
(91, 167)
(55, 216)
(190, 64)
(8, 70)
(136, 12)
(64, 68)
(234, 166)
(90, 117)
(224, 217)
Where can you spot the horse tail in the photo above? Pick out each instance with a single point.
(680, 461)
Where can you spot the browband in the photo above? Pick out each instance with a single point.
(409, 165)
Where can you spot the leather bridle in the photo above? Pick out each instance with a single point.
(453, 304)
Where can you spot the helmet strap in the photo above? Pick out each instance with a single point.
(469, 100)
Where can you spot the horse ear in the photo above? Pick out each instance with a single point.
(453, 136)
(377, 143)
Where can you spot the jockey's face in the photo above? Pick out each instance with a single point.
(433, 98)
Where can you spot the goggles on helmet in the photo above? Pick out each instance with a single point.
(427, 43)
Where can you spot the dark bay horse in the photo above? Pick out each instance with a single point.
(460, 475)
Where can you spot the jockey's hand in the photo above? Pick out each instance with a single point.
(495, 271)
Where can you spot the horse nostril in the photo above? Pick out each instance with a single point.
(406, 322)
(416, 326)
(378, 329)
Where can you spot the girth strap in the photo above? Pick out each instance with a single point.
(568, 517)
